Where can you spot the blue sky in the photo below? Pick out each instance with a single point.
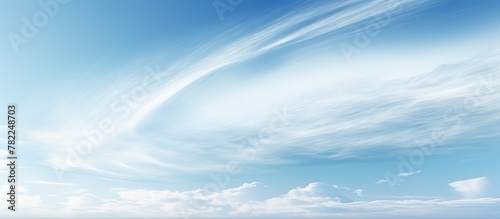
(270, 109)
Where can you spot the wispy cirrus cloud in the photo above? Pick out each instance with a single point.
(335, 122)
(284, 32)
(329, 123)
(387, 115)
(407, 174)
(125, 104)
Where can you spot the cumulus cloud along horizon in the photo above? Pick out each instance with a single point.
(318, 199)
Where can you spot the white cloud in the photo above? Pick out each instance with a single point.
(276, 35)
(252, 200)
(340, 122)
(314, 200)
(314, 192)
(42, 182)
(150, 203)
(358, 192)
(24, 200)
(307, 24)
(237, 201)
(470, 188)
(407, 174)
(402, 174)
